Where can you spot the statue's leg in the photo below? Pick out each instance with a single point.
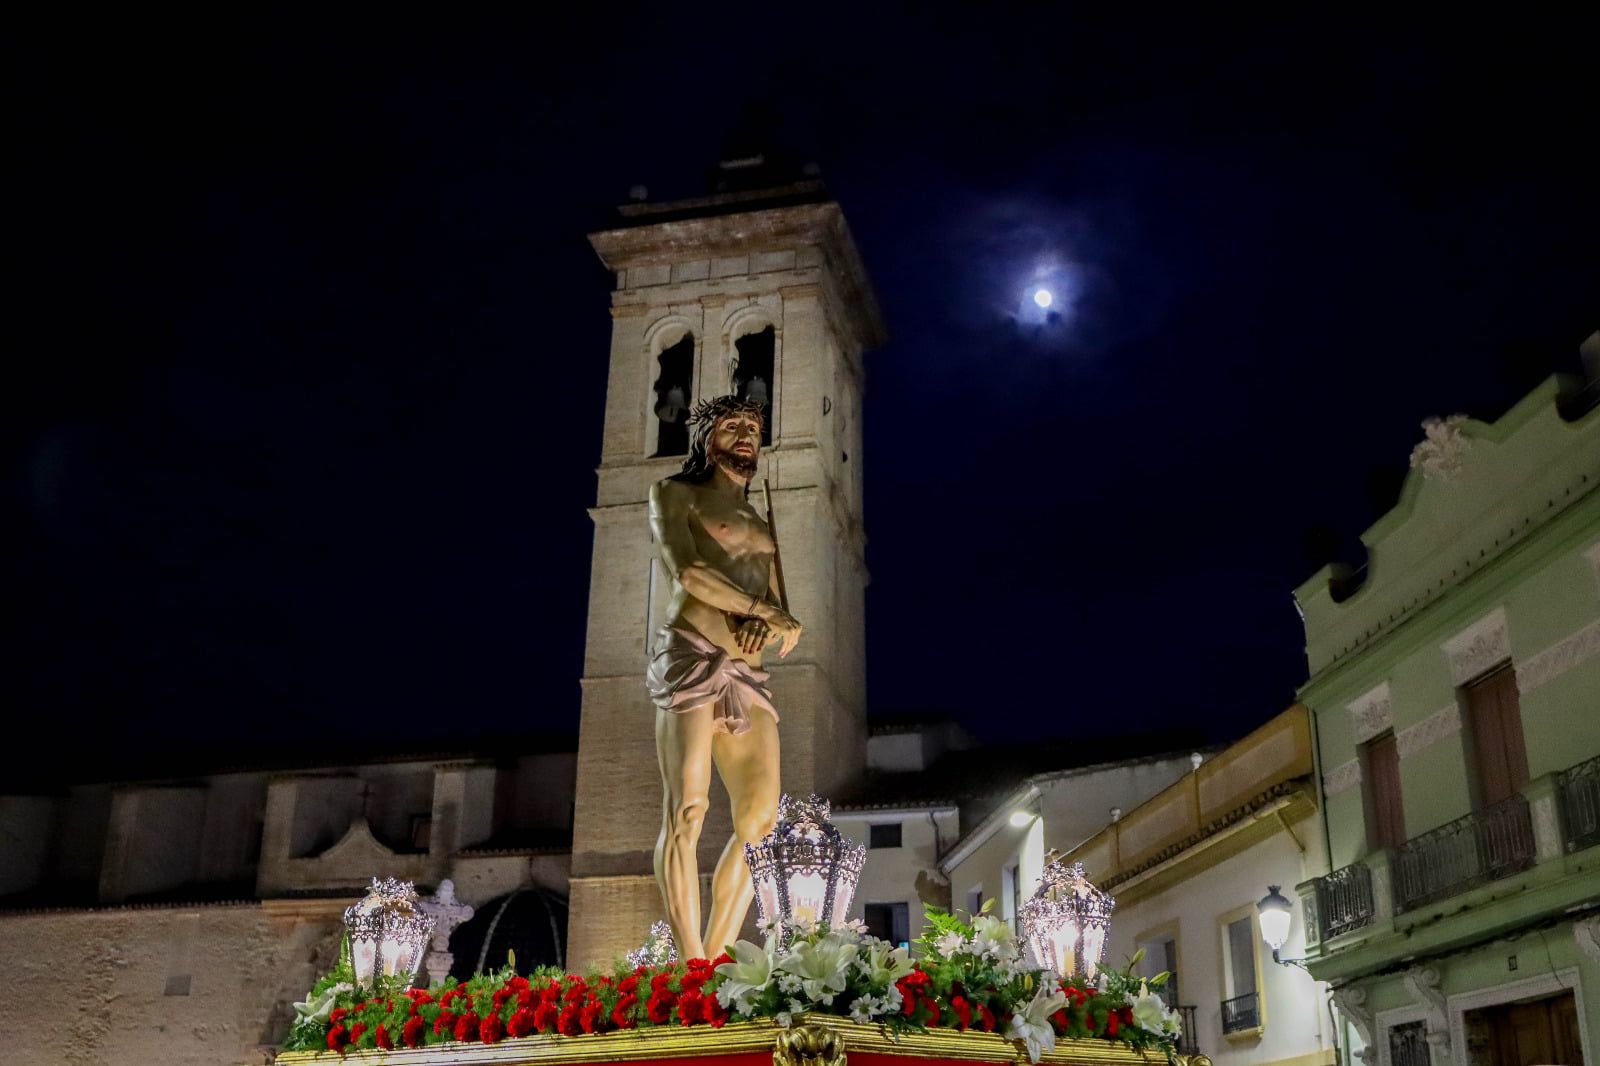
(748, 765)
(683, 750)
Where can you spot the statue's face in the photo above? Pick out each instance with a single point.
(735, 444)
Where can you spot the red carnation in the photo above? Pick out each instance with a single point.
(628, 985)
(963, 1011)
(490, 1030)
(622, 1013)
(356, 1030)
(444, 1023)
(518, 983)
(1113, 1022)
(933, 1010)
(720, 959)
(467, 1027)
(546, 1016)
(987, 1017)
(339, 1014)
(383, 1038)
(716, 1014)
(659, 1007)
(690, 1007)
(521, 1023)
(338, 1039)
(411, 1035)
(570, 1023)
(589, 1014)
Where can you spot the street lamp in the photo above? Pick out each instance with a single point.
(1275, 912)
(805, 871)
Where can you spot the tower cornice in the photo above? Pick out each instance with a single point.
(765, 229)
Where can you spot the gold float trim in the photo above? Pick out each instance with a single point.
(817, 1040)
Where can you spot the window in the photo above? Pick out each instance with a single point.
(975, 900)
(884, 835)
(1011, 886)
(889, 921)
(1380, 793)
(674, 393)
(1494, 732)
(421, 831)
(1161, 956)
(753, 377)
(1241, 970)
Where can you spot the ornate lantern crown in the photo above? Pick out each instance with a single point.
(388, 932)
(805, 871)
(1066, 920)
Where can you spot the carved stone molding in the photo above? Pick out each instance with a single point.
(1352, 1003)
(1342, 778)
(1559, 658)
(1587, 934)
(1423, 984)
(1371, 713)
(1478, 648)
(1443, 450)
(1445, 722)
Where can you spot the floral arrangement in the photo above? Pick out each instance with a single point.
(969, 975)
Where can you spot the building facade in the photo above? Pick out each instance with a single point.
(1002, 855)
(1188, 867)
(759, 293)
(1455, 689)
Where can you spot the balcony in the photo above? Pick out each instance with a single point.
(1241, 1013)
(1484, 846)
(1579, 787)
(1189, 1039)
(1344, 900)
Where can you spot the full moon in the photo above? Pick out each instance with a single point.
(1042, 297)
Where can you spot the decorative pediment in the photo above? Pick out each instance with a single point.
(358, 849)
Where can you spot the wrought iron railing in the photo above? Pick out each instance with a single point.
(1344, 900)
(1408, 1045)
(1241, 1013)
(1484, 846)
(1580, 804)
(1188, 1039)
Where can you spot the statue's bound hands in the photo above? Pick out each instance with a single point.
(752, 635)
(782, 627)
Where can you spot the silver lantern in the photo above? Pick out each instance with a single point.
(388, 932)
(1066, 920)
(805, 871)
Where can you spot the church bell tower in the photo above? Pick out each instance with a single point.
(760, 292)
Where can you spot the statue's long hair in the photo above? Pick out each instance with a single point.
(698, 468)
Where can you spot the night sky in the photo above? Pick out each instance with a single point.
(307, 349)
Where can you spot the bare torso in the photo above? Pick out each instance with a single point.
(731, 538)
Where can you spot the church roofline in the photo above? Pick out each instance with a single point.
(746, 226)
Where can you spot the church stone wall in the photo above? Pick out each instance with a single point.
(131, 987)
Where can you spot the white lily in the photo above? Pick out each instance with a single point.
(993, 938)
(318, 1009)
(1148, 1010)
(821, 965)
(884, 963)
(746, 976)
(1031, 1025)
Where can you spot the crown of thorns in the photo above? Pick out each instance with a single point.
(711, 411)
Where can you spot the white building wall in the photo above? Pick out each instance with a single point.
(908, 874)
(1295, 1014)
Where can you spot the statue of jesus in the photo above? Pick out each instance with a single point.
(712, 704)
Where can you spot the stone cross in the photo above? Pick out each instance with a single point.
(447, 912)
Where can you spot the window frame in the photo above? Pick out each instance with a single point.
(899, 835)
(1225, 968)
(1161, 934)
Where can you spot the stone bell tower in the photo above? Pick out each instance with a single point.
(758, 291)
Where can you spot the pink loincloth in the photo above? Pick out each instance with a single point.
(688, 670)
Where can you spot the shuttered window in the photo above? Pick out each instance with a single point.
(1494, 723)
(1380, 781)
